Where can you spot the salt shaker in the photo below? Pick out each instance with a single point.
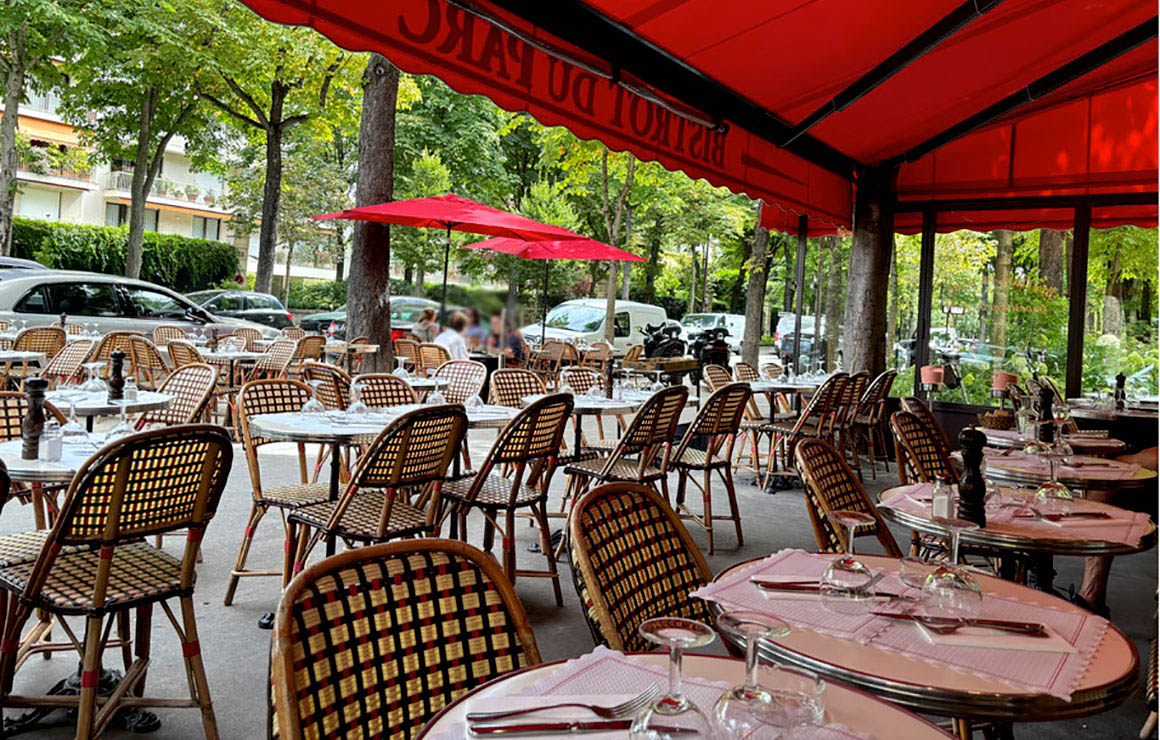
(130, 389)
(50, 441)
(940, 503)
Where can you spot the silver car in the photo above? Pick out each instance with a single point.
(110, 302)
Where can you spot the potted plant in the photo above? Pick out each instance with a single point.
(192, 191)
(161, 187)
(210, 197)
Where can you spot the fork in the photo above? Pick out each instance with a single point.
(618, 711)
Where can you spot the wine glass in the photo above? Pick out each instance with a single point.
(436, 398)
(594, 391)
(914, 571)
(657, 386)
(739, 710)
(401, 370)
(73, 432)
(473, 403)
(950, 590)
(313, 406)
(797, 702)
(565, 388)
(673, 711)
(356, 404)
(846, 572)
(123, 429)
(94, 384)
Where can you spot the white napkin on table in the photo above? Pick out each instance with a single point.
(997, 640)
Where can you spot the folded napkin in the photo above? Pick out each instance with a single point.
(982, 637)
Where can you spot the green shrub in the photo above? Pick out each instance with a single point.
(177, 262)
(317, 295)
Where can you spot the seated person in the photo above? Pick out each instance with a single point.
(451, 338)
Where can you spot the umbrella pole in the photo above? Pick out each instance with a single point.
(544, 307)
(443, 298)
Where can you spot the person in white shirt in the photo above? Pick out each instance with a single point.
(451, 338)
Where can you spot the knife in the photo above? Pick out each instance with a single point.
(1072, 515)
(1028, 628)
(813, 588)
(565, 728)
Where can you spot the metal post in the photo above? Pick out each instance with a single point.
(1077, 299)
(544, 307)
(443, 298)
(925, 293)
(799, 289)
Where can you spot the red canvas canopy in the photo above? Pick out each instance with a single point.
(784, 100)
(572, 249)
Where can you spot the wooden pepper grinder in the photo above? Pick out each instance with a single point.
(64, 321)
(1121, 395)
(1046, 417)
(33, 424)
(972, 487)
(116, 381)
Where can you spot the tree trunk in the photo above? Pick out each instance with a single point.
(420, 281)
(271, 197)
(824, 251)
(369, 292)
(13, 85)
(1145, 312)
(833, 303)
(1001, 295)
(286, 281)
(892, 316)
(984, 300)
(613, 218)
(339, 255)
(735, 293)
(1051, 259)
(625, 277)
(864, 343)
(693, 284)
(1113, 309)
(653, 267)
(758, 265)
(787, 302)
(139, 191)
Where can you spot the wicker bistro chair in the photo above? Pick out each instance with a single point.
(408, 349)
(633, 560)
(921, 456)
(546, 363)
(431, 357)
(250, 335)
(867, 425)
(464, 379)
(275, 361)
(847, 407)
(633, 353)
(333, 383)
(816, 420)
(649, 437)
(148, 365)
(597, 356)
(582, 380)
(529, 443)
(510, 385)
(410, 456)
(293, 332)
(380, 390)
(830, 485)
(919, 408)
(273, 396)
(192, 386)
(166, 333)
(117, 498)
(182, 352)
(754, 427)
(373, 642)
(13, 408)
(68, 364)
(47, 339)
(717, 423)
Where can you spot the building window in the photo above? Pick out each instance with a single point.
(206, 228)
(117, 214)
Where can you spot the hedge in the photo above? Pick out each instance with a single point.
(181, 263)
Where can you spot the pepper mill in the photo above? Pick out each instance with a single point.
(33, 424)
(64, 320)
(1121, 395)
(972, 487)
(116, 381)
(1046, 418)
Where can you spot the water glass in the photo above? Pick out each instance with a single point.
(674, 710)
(740, 710)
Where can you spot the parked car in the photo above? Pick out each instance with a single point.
(110, 302)
(19, 263)
(731, 322)
(582, 320)
(261, 308)
(405, 312)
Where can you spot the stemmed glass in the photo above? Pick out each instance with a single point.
(94, 384)
(122, 429)
(950, 590)
(797, 702)
(356, 403)
(673, 716)
(401, 370)
(436, 398)
(475, 402)
(741, 711)
(657, 386)
(845, 580)
(313, 406)
(73, 432)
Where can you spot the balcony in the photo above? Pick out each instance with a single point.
(169, 191)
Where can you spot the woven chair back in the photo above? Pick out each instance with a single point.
(191, 387)
(148, 365)
(464, 379)
(73, 329)
(277, 357)
(569, 354)
(145, 484)
(535, 433)
(13, 407)
(721, 413)
(510, 385)
(831, 485)
(183, 353)
(408, 349)
(919, 408)
(111, 341)
(380, 390)
(69, 362)
(657, 420)
(824, 401)
(923, 456)
(269, 396)
(746, 373)
(310, 347)
(597, 355)
(432, 356)
(413, 450)
(293, 332)
(167, 333)
(633, 560)
(250, 335)
(413, 625)
(717, 377)
(333, 384)
(46, 339)
(634, 353)
(581, 379)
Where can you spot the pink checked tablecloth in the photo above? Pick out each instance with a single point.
(1125, 527)
(1088, 444)
(1082, 467)
(1056, 674)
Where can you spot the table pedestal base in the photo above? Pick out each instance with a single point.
(266, 621)
(133, 719)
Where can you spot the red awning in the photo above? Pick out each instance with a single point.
(750, 69)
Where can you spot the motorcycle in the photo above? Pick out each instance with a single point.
(662, 340)
(708, 347)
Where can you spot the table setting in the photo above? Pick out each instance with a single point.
(1083, 443)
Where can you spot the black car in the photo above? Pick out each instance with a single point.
(261, 308)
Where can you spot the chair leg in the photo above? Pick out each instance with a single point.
(509, 545)
(707, 498)
(123, 636)
(90, 677)
(143, 642)
(257, 511)
(541, 517)
(193, 663)
(734, 511)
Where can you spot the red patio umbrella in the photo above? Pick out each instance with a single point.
(570, 249)
(453, 213)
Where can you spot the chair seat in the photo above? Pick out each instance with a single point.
(296, 495)
(361, 519)
(625, 470)
(495, 492)
(140, 573)
(864, 418)
(603, 445)
(25, 547)
(694, 459)
(756, 425)
(809, 429)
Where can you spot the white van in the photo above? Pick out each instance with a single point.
(582, 320)
(734, 323)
